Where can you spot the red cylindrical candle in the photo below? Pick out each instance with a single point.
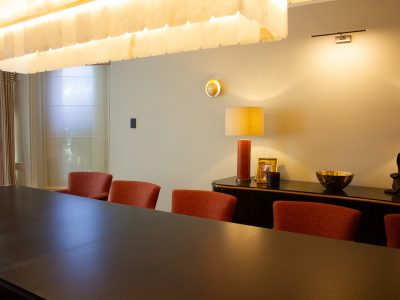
(243, 160)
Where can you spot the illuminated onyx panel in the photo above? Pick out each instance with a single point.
(299, 1)
(307, 2)
(20, 10)
(103, 31)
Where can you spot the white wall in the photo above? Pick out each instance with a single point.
(327, 106)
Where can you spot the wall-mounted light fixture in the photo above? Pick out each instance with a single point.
(213, 88)
(341, 37)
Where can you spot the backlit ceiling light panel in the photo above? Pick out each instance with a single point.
(306, 2)
(298, 1)
(45, 35)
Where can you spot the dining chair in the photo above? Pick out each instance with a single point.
(205, 204)
(392, 228)
(137, 193)
(319, 219)
(94, 185)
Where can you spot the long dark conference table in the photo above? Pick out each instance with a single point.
(57, 246)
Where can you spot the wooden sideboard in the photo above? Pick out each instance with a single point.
(254, 205)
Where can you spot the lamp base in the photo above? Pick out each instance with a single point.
(241, 180)
(243, 161)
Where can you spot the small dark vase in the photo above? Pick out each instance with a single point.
(273, 179)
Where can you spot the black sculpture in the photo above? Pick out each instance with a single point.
(396, 179)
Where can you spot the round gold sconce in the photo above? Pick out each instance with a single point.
(213, 88)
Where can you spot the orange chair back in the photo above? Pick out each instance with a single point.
(317, 219)
(88, 184)
(205, 204)
(137, 193)
(392, 226)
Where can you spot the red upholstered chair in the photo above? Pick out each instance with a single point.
(137, 193)
(94, 185)
(392, 226)
(317, 219)
(205, 204)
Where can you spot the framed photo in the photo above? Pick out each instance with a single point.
(265, 165)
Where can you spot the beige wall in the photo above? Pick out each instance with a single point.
(327, 106)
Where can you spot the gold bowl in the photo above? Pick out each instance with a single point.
(334, 180)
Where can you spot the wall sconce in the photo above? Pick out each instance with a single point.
(341, 37)
(213, 88)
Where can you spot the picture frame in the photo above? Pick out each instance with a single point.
(265, 165)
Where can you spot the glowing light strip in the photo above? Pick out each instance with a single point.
(44, 13)
(127, 44)
(133, 29)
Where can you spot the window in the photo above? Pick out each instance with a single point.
(76, 122)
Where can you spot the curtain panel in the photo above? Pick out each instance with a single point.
(36, 168)
(7, 142)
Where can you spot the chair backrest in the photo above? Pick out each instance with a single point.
(205, 204)
(137, 193)
(87, 184)
(317, 219)
(392, 226)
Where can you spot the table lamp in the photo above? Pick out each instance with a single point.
(244, 121)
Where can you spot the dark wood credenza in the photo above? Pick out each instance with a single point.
(254, 205)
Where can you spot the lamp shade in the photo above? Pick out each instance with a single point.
(244, 121)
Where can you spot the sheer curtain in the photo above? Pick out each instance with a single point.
(29, 121)
(76, 122)
(37, 175)
(7, 143)
(68, 124)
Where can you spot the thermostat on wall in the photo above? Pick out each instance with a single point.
(133, 122)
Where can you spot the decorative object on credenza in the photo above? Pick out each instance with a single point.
(213, 88)
(265, 165)
(244, 121)
(334, 180)
(273, 179)
(396, 179)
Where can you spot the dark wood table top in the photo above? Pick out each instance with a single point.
(65, 247)
(313, 188)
